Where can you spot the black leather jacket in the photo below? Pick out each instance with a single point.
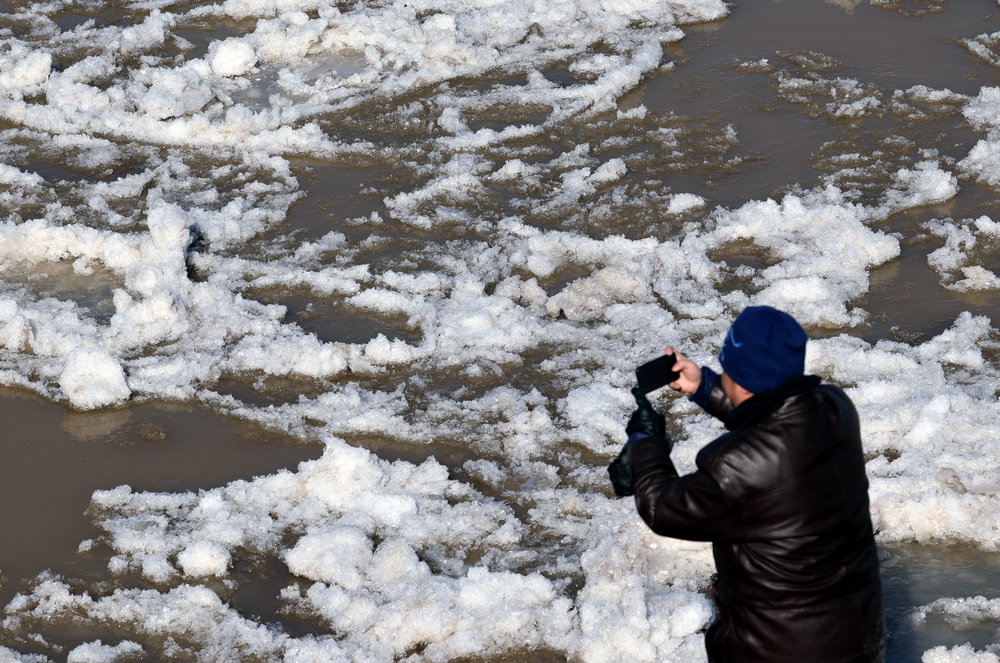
(783, 497)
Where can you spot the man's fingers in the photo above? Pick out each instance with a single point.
(689, 377)
(681, 361)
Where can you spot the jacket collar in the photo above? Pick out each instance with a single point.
(760, 405)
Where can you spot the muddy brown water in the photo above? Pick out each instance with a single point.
(54, 459)
(782, 142)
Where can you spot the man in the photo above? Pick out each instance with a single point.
(783, 497)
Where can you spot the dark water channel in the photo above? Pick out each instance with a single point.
(54, 459)
(915, 575)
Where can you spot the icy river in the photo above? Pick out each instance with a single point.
(318, 319)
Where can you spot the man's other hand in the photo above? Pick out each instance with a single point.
(646, 419)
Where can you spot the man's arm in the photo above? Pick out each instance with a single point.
(691, 507)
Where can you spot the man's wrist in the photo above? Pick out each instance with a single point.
(709, 378)
(639, 436)
(636, 436)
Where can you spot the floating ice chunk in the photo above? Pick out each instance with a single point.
(98, 652)
(860, 108)
(204, 558)
(925, 184)
(682, 203)
(451, 121)
(15, 327)
(381, 351)
(588, 298)
(985, 46)
(678, 616)
(958, 240)
(421, 283)
(443, 42)
(160, 318)
(458, 181)
(929, 474)
(925, 432)
(387, 597)
(192, 614)
(983, 162)
(932, 95)
(385, 301)
(168, 227)
(231, 57)
(818, 240)
(610, 171)
(481, 613)
(164, 94)
(11, 656)
(960, 654)
(337, 555)
(396, 562)
(625, 611)
(599, 406)
(73, 104)
(10, 175)
(961, 613)
(22, 68)
(983, 111)
(150, 33)
(93, 379)
(959, 250)
(813, 292)
(977, 278)
(516, 170)
(289, 354)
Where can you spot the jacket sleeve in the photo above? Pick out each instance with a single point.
(692, 507)
(710, 395)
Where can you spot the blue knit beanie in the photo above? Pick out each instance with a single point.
(764, 347)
